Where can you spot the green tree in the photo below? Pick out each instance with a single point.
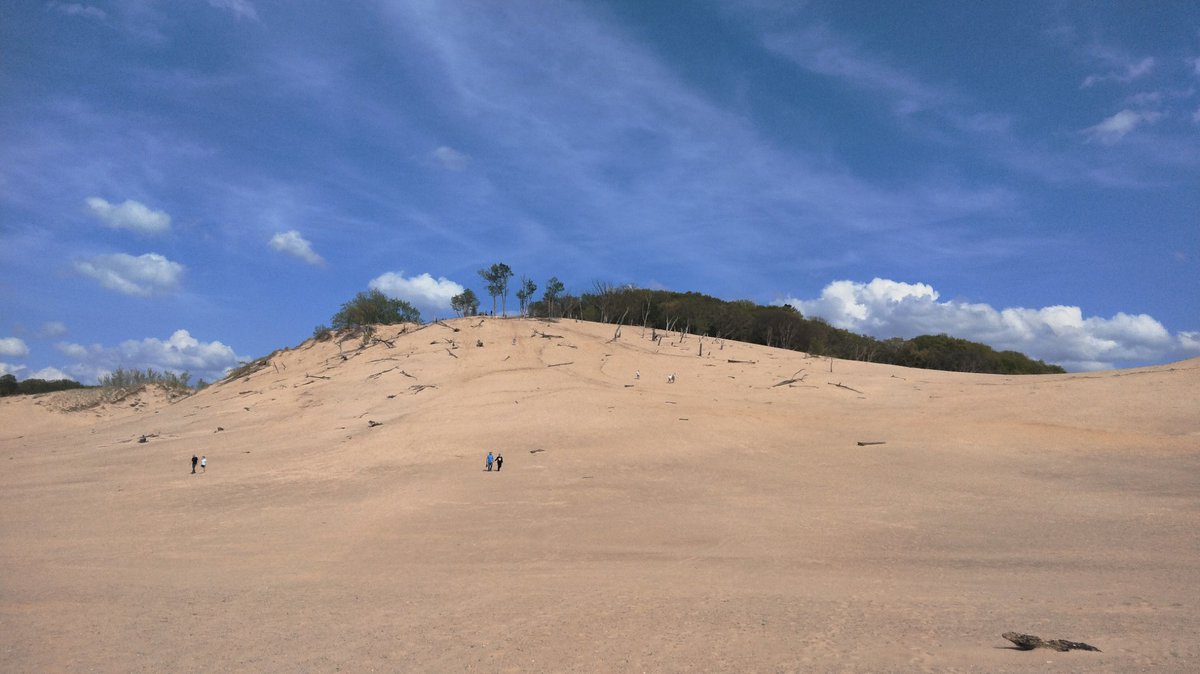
(525, 293)
(554, 288)
(8, 385)
(496, 278)
(465, 303)
(372, 307)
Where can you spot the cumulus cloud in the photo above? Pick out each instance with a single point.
(1059, 334)
(129, 215)
(1119, 125)
(142, 276)
(293, 244)
(450, 159)
(13, 347)
(178, 353)
(423, 291)
(49, 374)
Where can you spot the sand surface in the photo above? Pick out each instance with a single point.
(719, 523)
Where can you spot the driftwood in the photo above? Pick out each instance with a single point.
(544, 335)
(570, 362)
(1028, 642)
(378, 374)
(315, 376)
(793, 380)
(417, 388)
(840, 385)
(439, 322)
(864, 443)
(535, 451)
(744, 362)
(451, 353)
(372, 423)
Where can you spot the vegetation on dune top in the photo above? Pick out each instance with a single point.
(694, 313)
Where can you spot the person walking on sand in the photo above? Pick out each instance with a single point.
(203, 464)
(499, 461)
(489, 462)
(194, 460)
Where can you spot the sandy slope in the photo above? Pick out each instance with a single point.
(720, 523)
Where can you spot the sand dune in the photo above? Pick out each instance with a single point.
(723, 522)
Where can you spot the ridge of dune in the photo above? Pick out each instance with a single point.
(729, 521)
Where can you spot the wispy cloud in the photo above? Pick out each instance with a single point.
(292, 243)
(1058, 334)
(1114, 128)
(821, 50)
(52, 329)
(1124, 73)
(130, 215)
(141, 276)
(77, 9)
(242, 9)
(450, 159)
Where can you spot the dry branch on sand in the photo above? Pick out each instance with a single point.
(793, 380)
(841, 385)
(1028, 642)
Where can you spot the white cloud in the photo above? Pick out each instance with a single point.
(1119, 125)
(143, 276)
(77, 9)
(49, 374)
(242, 9)
(13, 347)
(180, 352)
(52, 329)
(1126, 73)
(423, 290)
(292, 243)
(1057, 334)
(129, 215)
(450, 159)
(14, 370)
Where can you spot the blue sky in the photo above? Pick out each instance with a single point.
(187, 184)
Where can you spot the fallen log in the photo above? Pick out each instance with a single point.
(864, 443)
(1028, 642)
(744, 362)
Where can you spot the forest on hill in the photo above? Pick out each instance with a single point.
(779, 326)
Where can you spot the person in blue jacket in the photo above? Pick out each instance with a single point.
(489, 461)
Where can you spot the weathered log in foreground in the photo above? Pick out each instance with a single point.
(1028, 642)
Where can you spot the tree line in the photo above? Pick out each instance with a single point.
(9, 386)
(698, 314)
